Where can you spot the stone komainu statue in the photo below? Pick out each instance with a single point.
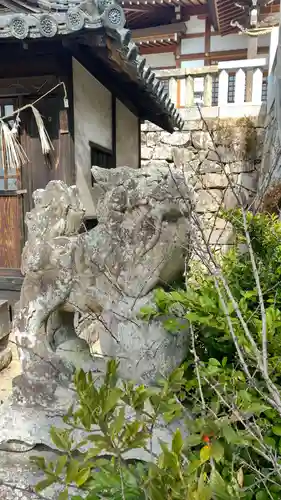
(102, 278)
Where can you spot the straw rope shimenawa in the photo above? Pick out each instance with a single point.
(13, 155)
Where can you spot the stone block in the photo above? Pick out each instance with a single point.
(182, 156)
(202, 140)
(5, 326)
(248, 181)
(192, 125)
(237, 197)
(222, 154)
(163, 152)
(150, 127)
(202, 155)
(176, 139)
(210, 166)
(146, 153)
(214, 180)
(237, 167)
(152, 139)
(220, 236)
(143, 138)
(5, 358)
(154, 163)
(209, 201)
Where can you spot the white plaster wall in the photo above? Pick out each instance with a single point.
(228, 42)
(193, 45)
(92, 122)
(127, 137)
(195, 25)
(160, 60)
(198, 82)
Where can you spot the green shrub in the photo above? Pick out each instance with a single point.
(208, 464)
(232, 450)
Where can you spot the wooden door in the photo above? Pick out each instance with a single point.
(10, 208)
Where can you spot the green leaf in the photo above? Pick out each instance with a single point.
(177, 443)
(60, 438)
(61, 462)
(63, 495)
(229, 434)
(112, 399)
(193, 466)
(218, 486)
(119, 421)
(205, 454)
(39, 461)
(276, 429)
(82, 476)
(262, 495)
(193, 440)
(217, 451)
(45, 483)
(72, 471)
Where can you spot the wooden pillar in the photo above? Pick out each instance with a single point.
(208, 87)
(189, 91)
(173, 90)
(223, 88)
(207, 48)
(240, 80)
(178, 65)
(252, 53)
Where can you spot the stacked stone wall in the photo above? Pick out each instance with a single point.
(219, 155)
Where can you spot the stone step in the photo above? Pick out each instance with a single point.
(5, 325)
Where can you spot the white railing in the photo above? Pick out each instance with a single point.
(273, 66)
(231, 82)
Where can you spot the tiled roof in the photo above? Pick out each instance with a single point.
(31, 19)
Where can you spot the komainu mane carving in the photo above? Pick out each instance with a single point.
(103, 277)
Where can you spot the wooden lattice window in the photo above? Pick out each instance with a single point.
(215, 91)
(101, 157)
(166, 85)
(9, 177)
(264, 88)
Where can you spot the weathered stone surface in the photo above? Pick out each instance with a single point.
(154, 163)
(222, 236)
(146, 152)
(193, 125)
(212, 180)
(153, 138)
(162, 152)
(202, 140)
(209, 200)
(182, 156)
(41, 397)
(5, 326)
(248, 181)
(176, 139)
(210, 166)
(224, 147)
(222, 154)
(150, 127)
(5, 358)
(240, 166)
(141, 240)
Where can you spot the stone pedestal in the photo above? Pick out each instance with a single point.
(5, 351)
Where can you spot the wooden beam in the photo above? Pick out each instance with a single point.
(156, 50)
(207, 39)
(212, 8)
(252, 53)
(168, 30)
(178, 65)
